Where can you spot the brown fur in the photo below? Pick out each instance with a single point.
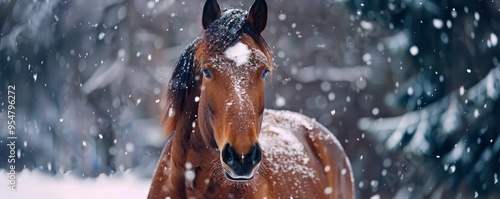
(323, 152)
(301, 158)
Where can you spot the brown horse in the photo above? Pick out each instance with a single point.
(221, 142)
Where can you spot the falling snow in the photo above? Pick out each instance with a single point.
(406, 86)
(413, 50)
(438, 23)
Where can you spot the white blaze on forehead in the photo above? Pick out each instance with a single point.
(239, 53)
(238, 63)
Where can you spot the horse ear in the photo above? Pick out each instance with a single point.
(257, 17)
(211, 12)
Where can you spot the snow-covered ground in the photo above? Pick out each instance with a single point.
(34, 184)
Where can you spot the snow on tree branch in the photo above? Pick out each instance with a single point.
(332, 73)
(412, 131)
(103, 77)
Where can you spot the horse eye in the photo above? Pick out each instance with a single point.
(206, 73)
(265, 73)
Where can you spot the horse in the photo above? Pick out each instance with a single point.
(220, 140)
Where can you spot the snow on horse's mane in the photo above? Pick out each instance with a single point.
(226, 31)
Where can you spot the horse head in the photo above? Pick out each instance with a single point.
(233, 63)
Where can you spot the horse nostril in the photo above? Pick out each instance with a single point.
(228, 155)
(256, 154)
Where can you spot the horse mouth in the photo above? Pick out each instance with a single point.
(238, 178)
(235, 177)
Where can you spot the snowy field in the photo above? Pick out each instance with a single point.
(34, 184)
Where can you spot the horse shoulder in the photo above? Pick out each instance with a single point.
(334, 162)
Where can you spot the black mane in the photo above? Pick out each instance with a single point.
(228, 29)
(183, 78)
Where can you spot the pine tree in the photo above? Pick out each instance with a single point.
(447, 89)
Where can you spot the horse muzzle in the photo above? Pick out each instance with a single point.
(241, 167)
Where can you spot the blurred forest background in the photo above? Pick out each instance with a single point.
(410, 88)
